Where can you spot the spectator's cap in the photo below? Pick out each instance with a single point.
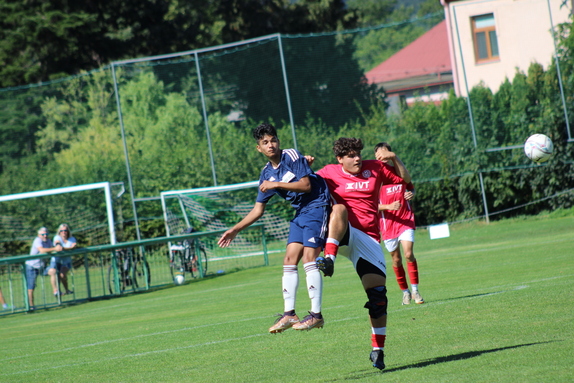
(42, 230)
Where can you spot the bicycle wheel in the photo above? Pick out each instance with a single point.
(204, 261)
(195, 270)
(139, 272)
(177, 264)
(112, 280)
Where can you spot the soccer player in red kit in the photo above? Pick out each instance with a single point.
(356, 184)
(398, 226)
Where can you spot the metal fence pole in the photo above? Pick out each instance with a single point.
(264, 244)
(287, 95)
(87, 271)
(470, 114)
(205, 118)
(558, 72)
(128, 167)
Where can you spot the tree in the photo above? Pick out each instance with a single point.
(20, 116)
(42, 40)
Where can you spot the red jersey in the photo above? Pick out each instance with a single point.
(360, 192)
(395, 222)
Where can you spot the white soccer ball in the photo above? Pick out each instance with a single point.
(179, 279)
(538, 148)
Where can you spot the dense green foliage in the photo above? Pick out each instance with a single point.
(168, 147)
(67, 133)
(65, 37)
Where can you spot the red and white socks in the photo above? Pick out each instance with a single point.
(378, 337)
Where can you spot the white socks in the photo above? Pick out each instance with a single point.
(314, 286)
(290, 284)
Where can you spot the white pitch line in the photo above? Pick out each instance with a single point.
(487, 247)
(130, 338)
(161, 298)
(132, 355)
(508, 287)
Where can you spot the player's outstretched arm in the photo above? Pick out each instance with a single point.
(402, 170)
(301, 186)
(248, 220)
(384, 154)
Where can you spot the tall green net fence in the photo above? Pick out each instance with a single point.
(184, 121)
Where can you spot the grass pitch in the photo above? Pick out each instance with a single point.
(499, 309)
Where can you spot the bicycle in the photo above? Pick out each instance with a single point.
(183, 257)
(132, 270)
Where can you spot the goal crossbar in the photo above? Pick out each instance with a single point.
(209, 189)
(197, 191)
(70, 189)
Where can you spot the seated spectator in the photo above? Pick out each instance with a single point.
(41, 245)
(59, 266)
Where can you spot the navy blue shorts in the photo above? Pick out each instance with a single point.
(309, 227)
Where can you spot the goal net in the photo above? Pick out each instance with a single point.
(87, 209)
(221, 207)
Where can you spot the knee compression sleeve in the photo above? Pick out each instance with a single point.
(377, 303)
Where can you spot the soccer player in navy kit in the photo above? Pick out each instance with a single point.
(289, 175)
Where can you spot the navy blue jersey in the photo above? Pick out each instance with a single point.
(292, 168)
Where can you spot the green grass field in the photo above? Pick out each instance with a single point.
(499, 309)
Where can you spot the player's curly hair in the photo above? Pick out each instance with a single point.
(262, 130)
(344, 146)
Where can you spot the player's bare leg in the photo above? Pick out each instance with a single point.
(401, 275)
(338, 224)
(412, 268)
(374, 285)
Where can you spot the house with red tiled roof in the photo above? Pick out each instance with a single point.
(422, 70)
(479, 42)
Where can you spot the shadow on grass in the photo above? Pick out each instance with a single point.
(471, 296)
(429, 362)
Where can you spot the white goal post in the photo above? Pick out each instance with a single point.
(220, 207)
(197, 191)
(106, 186)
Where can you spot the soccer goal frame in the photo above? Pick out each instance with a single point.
(106, 186)
(205, 190)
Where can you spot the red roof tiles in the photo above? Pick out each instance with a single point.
(429, 54)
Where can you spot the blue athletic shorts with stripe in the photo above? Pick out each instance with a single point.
(309, 227)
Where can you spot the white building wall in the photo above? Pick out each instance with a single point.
(523, 29)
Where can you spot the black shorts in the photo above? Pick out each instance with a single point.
(365, 267)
